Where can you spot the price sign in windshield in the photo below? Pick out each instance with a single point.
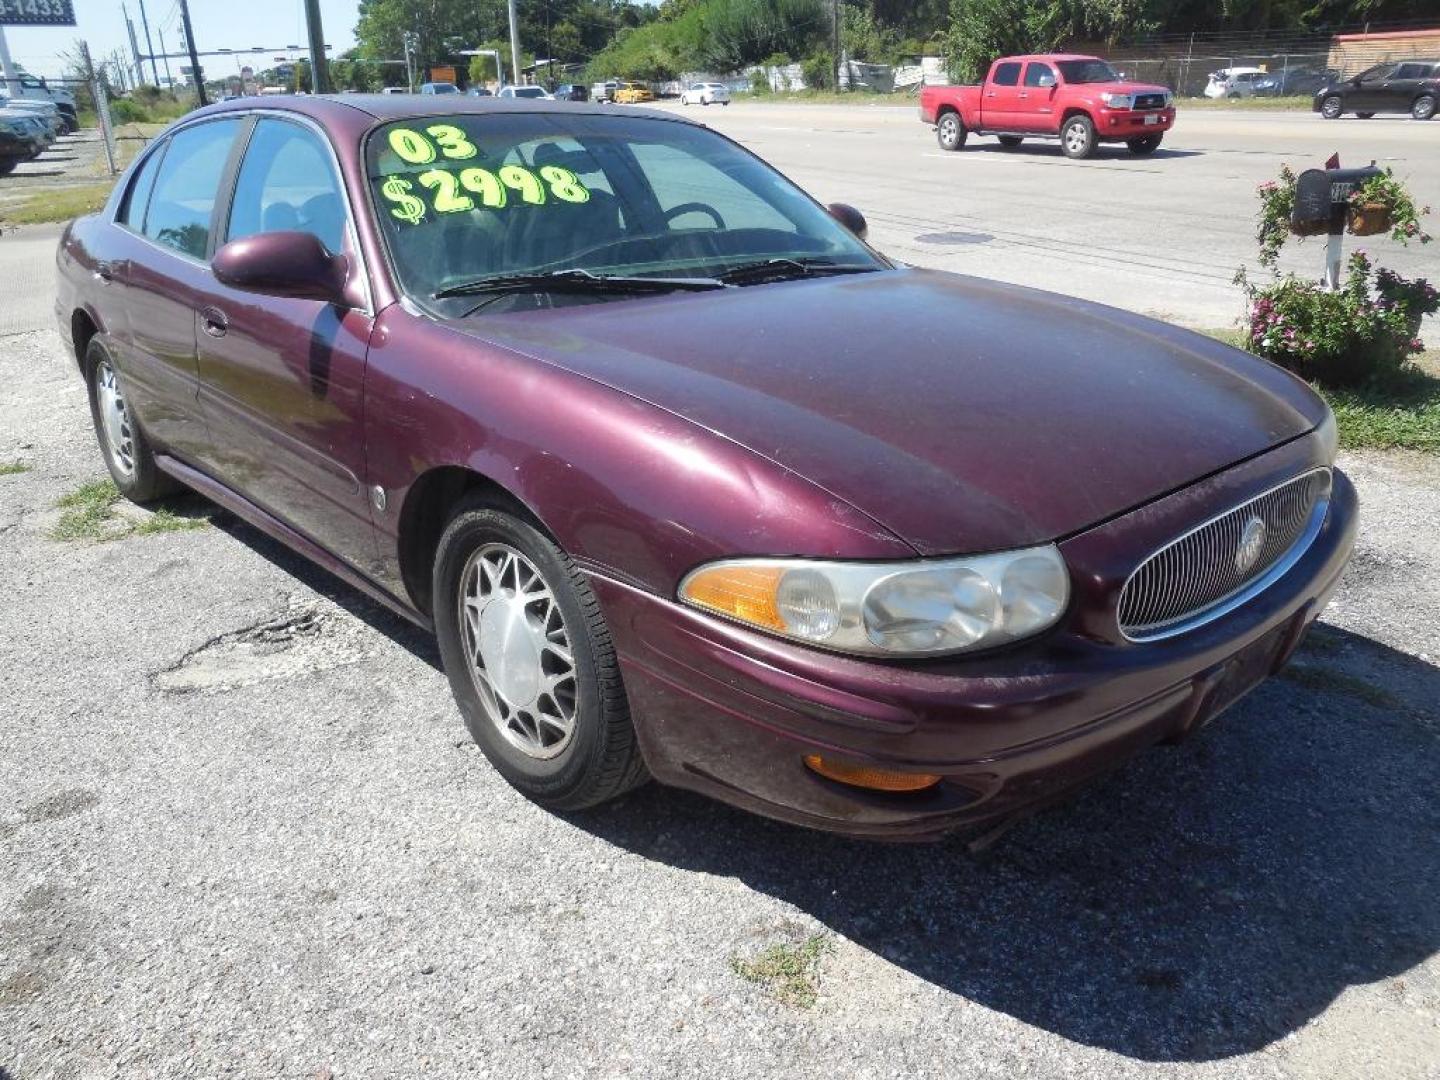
(37, 13)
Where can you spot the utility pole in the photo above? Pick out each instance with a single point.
(835, 40)
(165, 52)
(149, 44)
(410, 41)
(134, 47)
(319, 72)
(199, 76)
(7, 67)
(514, 43)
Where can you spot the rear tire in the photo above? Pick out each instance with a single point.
(1423, 107)
(1077, 137)
(1145, 144)
(1332, 107)
(127, 452)
(1011, 141)
(950, 131)
(530, 660)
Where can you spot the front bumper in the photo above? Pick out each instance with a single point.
(1114, 124)
(730, 713)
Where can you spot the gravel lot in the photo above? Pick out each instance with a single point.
(243, 832)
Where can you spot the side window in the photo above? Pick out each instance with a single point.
(137, 199)
(1007, 75)
(186, 186)
(1039, 75)
(1410, 71)
(287, 182)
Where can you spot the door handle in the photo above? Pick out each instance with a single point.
(214, 322)
(104, 273)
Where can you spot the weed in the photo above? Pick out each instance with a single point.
(788, 972)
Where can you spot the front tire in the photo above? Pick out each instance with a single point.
(530, 661)
(1145, 144)
(950, 131)
(1077, 137)
(1423, 107)
(1332, 107)
(123, 445)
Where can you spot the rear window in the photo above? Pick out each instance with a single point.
(1006, 75)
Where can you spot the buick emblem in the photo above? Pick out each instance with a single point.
(1252, 540)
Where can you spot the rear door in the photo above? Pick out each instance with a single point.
(1404, 85)
(282, 379)
(1037, 97)
(162, 272)
(1000, 98)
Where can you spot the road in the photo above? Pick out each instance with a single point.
(243, 833)
(1161, 235)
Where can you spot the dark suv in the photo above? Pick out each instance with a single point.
(1396, 86)
(572, 92)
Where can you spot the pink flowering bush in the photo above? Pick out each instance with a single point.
(1363, 332)
(1384, 190)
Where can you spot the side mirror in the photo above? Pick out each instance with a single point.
(1046, 81)
(289, 264)
(851, 218)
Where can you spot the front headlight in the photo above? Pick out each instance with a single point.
(922, 608)
(1118, 101)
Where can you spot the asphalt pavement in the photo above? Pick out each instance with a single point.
(243, 833)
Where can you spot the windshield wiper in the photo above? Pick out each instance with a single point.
(781, 269)
(576, 280)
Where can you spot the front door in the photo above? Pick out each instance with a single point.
(1037, 98)
(1372, 91)
(282, 380)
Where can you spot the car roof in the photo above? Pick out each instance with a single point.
(387, 107)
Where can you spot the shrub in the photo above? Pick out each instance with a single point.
(126, 111)
(818, 70)
(1362, 332)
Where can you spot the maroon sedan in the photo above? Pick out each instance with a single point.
(689, 481)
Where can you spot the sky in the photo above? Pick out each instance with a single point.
(219, 24)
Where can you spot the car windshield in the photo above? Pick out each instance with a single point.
(463, 198)
(1086, 71)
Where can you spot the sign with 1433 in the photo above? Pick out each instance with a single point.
(37, 13)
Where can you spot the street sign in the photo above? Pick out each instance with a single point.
(37, 13)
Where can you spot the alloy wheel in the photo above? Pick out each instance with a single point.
(950, 131)
(519, 651)
(115, 418)
(1076, 139)
(1330, 108)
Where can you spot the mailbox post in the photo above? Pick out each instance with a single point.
(1320, 199)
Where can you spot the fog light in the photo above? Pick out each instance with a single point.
(867, 776)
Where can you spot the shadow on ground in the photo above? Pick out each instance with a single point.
(1211, 898)
(1051, 149)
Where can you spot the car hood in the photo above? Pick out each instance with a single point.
(1123, 87)
(961, 414)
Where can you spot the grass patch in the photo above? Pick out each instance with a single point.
(1266, 104)
(57, 204)
(1327, 680)
(1400, 414)
(789, 973)
(89, 514)
(13, 468)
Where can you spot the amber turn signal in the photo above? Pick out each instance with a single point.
(866, 776)
(746, 593)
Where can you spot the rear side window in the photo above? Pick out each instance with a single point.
(132, 214)
(287, 183)
(186, 187)
(1007, 75)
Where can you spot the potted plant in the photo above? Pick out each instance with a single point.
(1383, 204)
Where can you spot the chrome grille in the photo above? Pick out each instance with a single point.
(1149, 101)
(1189, 578)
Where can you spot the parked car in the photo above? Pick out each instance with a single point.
(1411, 86)
(1078, 99)
(604, 91)
(395, 90)
(31, 88)
(1296, 81)
(537, 93)
(478, 91)
(571, 92)
(709, 93)
(430, 89)
(44, 112)
(594, 396)
(1239, 82)
(633, 93)
(22, 137)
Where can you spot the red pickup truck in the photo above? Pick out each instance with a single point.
(1080, 100)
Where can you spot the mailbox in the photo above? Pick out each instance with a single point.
(1320, 195)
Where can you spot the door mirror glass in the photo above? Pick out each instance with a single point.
(851, 218)
(287, 264)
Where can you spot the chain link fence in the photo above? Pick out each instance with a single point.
(1286, 74)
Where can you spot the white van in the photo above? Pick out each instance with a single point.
(1238, 82)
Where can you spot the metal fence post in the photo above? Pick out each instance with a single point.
(102, 113)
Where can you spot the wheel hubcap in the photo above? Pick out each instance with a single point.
(1075, 138)
(949, 129)
(519, 650)
(115, 418)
